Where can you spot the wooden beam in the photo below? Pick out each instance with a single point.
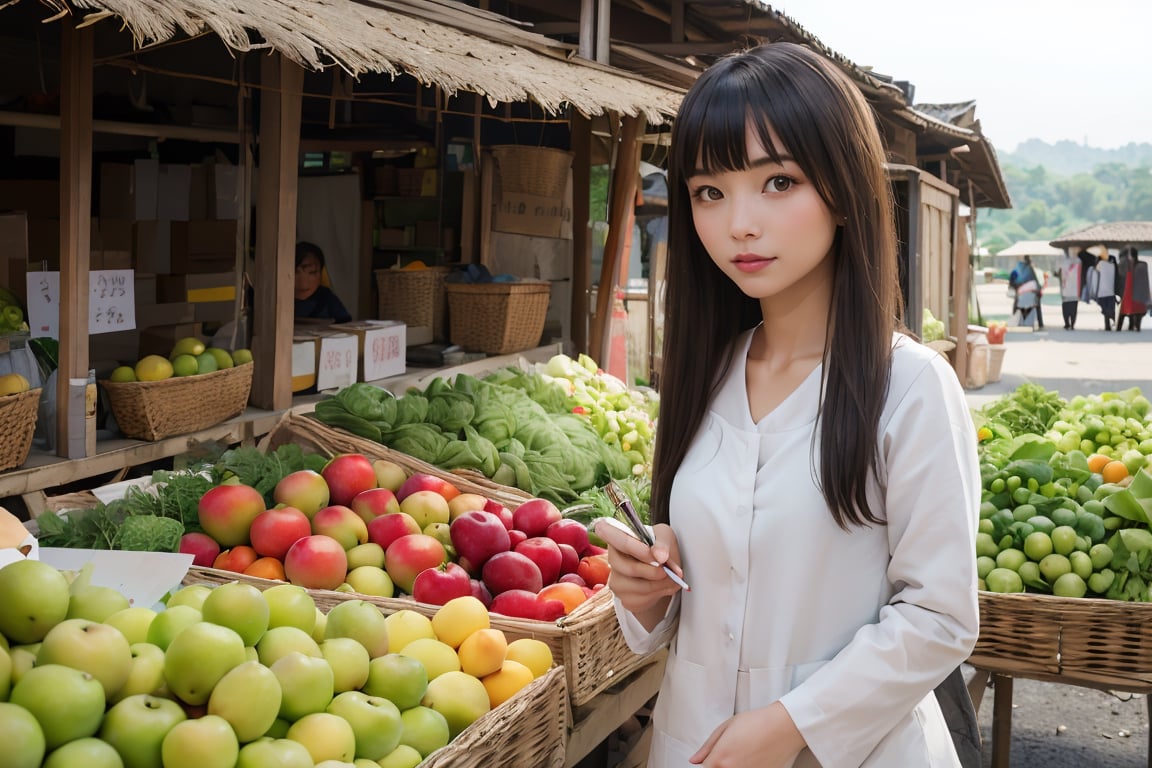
(581, 227)
(72, 439)
(625, 177)
(282, 82)
(676, 23)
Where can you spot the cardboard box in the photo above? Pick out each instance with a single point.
(215, 312)
(152, 246)
(117, 192)
(223, 194)
(39, 198)
(202, 246)
(150, 315)
(336, 360)
(213, 287)
(198, 207)
(112, 234)
(121, 347)
(110, 260)
(43, 244)
(14, 252)
(159, 339)
(145, 189)
(381, 348)
(145, 288)
(303, 363)
(174, 192)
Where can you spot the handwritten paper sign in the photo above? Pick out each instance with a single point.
(111, 302)
(336, 361)
(384, 352)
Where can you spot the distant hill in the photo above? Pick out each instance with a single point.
(1067, 158)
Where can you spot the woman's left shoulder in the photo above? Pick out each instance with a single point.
(917, 365)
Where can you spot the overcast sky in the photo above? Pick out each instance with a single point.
(1045, 69)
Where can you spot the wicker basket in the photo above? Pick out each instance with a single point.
(1089, 641)
(497, 318)
(588, 640)
(540, 171)
(153, 410)
(415, 296)
(17, 424)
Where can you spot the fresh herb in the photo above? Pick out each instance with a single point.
(263, 471)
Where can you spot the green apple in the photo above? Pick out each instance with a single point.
(169, 622)
(278, 642)
(95, 603)
(325, 736)
(33, 599)
(290, 605)
(425, 730)
(361, 621)
(407, 625)
(426, 507)
(319, 626)
(461, 698)
(248, 697)
(23, 659)
(22, 737)
(370, 580)
(98, 649)
(136, 727)
(279, 729)
(375, 721)
(192, 595)
(307, 685)
(363, 762)
(349, 662)
(369, 553)
(403, 756)
(198, 657)
(68, 703)
(400, 679)
(389, 474)
(6, 674)
(145, 675)
(206, 742)
(84, 753)
(282, 753)
(251, 654)
(240, 607)
(133, 623)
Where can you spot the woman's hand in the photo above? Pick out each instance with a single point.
(637, 578)
(765, 738)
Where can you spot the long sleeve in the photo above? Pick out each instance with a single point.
(930, 624)
(640, 640)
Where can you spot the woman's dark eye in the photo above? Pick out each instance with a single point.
(780, 183)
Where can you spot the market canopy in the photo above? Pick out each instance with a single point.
(1030, 248)
(1115, 234)
(448, 45)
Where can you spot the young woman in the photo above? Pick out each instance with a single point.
(816, 480)
(314, 300)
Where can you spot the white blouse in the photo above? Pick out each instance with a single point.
(850, 630)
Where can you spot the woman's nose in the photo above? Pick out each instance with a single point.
(744, 220)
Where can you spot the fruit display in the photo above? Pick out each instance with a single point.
(188, 357)
(233, 676)
(13, 384)
(1067, 495)
(11, 312)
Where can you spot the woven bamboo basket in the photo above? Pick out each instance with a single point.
(17, 424)
(154, 410)
(530, 729)
(540, 171)
(415, 296)
(1088, 641)
(497, 318)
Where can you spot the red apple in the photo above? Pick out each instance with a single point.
(347, 475)
(594, 550)
(226, 513)
(570, 532)
(569, 560)
(440, 584)
(408, 555)
(419, 481)
(480, 592)
(274, 531)
(342, 524)
(305, 490)
(515, 537)
(534, 516)
(477, 536)
(387, 528)
(201, 546)
(316, 562)
(519, 603)
(545, 553)
(550, 609)
(500, 511)
(573, 579)
(511, 570)
(373, 503)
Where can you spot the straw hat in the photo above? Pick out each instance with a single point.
(1099, 250)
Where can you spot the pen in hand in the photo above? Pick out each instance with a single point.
(635, 527)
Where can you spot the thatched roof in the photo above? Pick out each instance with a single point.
(446, 44)
(1115, 234)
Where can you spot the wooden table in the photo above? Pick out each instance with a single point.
(595, 721)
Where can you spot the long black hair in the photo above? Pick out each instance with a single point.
(825, 124)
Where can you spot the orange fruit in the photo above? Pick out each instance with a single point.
(236, 559)
(1114, 472)
(571, 595)
(266, 568)
(594, 569)
(1097, 461)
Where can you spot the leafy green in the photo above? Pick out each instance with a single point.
(148, 533)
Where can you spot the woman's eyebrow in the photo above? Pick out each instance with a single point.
(757, 163)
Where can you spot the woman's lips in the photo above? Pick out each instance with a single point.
(752, 263)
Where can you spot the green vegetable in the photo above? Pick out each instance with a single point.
(148, 533)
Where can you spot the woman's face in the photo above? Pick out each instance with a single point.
(765, 226)
(307, 276)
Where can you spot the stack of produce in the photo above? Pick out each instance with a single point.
(1067, 500)
(235, 677)
(188, 357)
(11, 312)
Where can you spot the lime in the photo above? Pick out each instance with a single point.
(986, 545)
(1081, 564)
(984, 566)
(185, 365)
(189, 345)
(1100, 581)
(223, 359)
(1101, 556)
(153, 368)
(1069, 585)
(1063, 539)
(1054, 566)
(1037, 546)
(1004, 580)
(241, 356)
(206, 362)
(1010, 558)
(123, 373)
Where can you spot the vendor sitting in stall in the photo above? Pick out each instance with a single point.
(313, 299)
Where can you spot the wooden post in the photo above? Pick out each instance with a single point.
(581, 227)
(75, 236)
(280, 101)
(625, 177)
(1001, 720)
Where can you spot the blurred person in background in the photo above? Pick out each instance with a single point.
(1133, 290)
